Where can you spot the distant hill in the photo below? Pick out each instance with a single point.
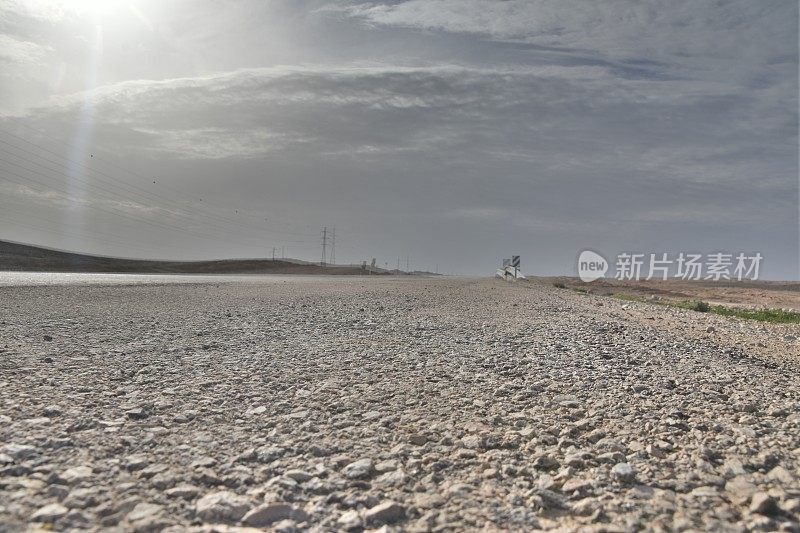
(24, 257)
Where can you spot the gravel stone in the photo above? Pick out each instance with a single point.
(349, 520)
(136, 462)
(383, 513)
(763, 503)
(19, 452)
(623, 472)
(186, 492)
(222, 506)
(266, 514)
(298, 475)
(471, 442)
(76, 474)
(136, 414)
(144, 511)
(409, 404)
(358, 469)
(49, 513)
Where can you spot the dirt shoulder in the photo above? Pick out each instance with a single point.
(741, 336)
(751, 294)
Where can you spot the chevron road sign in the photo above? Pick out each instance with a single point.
(510, 270)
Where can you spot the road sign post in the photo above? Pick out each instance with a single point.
(511, 269)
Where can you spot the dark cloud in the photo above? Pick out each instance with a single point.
(542, 127)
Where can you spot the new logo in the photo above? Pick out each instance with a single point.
(591, 266)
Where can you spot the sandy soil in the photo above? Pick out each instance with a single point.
(754, 294)
(405, 404)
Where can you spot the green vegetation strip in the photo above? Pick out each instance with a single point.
(777, 316)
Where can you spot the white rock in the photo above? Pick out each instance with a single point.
(223, 506)
(779, 473)
(187, 492)
(298, 475)
(386, 466)
(395, 478)
(472, 442)
(49, 513)
(349, 520)
(763, 503)
(383, 513)
(358, 469)
(269, 513)
(203, 462)
(740, 489)
(285, 526)
(623, 472)
(136, 462)
(20, 452)
(144, 511)
(76, 474)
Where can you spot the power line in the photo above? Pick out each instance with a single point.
(324, 242)
(131, 189)
(156, 224)
(114, 197)
(116, 240)
(174, 209)
(333, 247)
(98, 158)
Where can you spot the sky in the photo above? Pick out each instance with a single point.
(453, 133)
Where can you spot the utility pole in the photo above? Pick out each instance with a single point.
(407, 263)
(333, 246)
(324, 243)
(398, 264)
(273, 253)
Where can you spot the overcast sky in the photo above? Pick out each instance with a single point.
(456, 132)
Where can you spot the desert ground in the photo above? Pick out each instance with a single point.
(749, 294)
(416, 404)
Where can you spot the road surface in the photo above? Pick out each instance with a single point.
(438, 404)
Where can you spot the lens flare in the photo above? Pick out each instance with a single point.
(81, 141)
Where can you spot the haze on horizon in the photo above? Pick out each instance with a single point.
(456, 132)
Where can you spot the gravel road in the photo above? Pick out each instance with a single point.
(435, 404)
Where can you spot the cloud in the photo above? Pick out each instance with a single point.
(47, 197)
(361, 109)
(16, 51)
(619, 149)
(372, 111)
(552, 122)
(51, 197)
(214, 142)
(649, 30)
(49, 11)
